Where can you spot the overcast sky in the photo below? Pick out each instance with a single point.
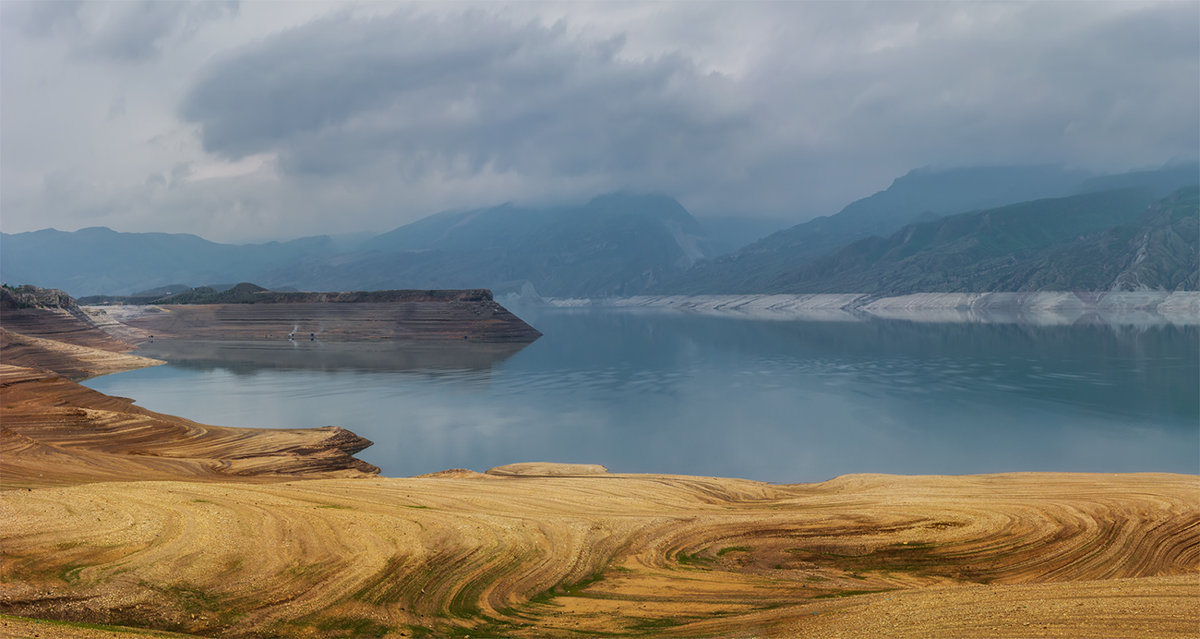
(272, 120)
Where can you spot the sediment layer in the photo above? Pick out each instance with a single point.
(421, 320)
(55, 431)
(69, 360)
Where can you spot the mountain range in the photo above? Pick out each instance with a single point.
(1112, 240)
(920, 196)
(976, 229)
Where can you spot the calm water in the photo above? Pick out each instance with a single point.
(777, 401)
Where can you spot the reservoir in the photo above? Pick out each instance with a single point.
(668, 392)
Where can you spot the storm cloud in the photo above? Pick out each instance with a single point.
(466, 95)
(351, 117)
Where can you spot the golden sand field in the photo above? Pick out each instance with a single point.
(115, 515)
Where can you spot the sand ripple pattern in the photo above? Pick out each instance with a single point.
(555, 554)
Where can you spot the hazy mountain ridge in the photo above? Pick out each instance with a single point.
(1113, 240)
(616, 244)
(103, 261)
(921, 195)
(624, 244)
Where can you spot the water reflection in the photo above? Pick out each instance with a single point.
(779, 401)
(242, 356)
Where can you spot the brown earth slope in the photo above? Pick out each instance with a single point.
(1004, 555)
(56, 431)
(53, 430)
(52, 314)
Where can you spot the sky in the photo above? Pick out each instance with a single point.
(263, 120)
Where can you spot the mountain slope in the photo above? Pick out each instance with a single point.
(1097, 241)
(922, 193)
(920, 196)
(616, 244)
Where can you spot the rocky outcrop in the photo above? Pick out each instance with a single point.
(52, 314)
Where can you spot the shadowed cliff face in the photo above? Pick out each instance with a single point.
(52, 314)
(422, 319)
(316, 354)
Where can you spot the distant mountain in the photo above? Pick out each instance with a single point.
(1097, 241)
(616, 244)
(729, 233)
(1161, 181)
(920, 196)
(100, 261)
(625, 244)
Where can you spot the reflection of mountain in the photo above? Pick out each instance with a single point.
(247, 356)
(1013, 361)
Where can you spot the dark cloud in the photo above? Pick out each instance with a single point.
(427, 94)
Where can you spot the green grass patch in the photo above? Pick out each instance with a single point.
(694, 559)
(912, 557)
(851, 593)
(643, 624)
(92, 626)
(728, 549)
(70, 573)
(334, 506)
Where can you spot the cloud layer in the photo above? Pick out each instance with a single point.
(243, 123)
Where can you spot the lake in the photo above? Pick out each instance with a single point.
(667, 392)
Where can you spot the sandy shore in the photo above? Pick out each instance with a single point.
(116, 515)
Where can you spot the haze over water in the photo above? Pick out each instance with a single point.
(781, 401)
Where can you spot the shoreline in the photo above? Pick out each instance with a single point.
(1040, 308)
